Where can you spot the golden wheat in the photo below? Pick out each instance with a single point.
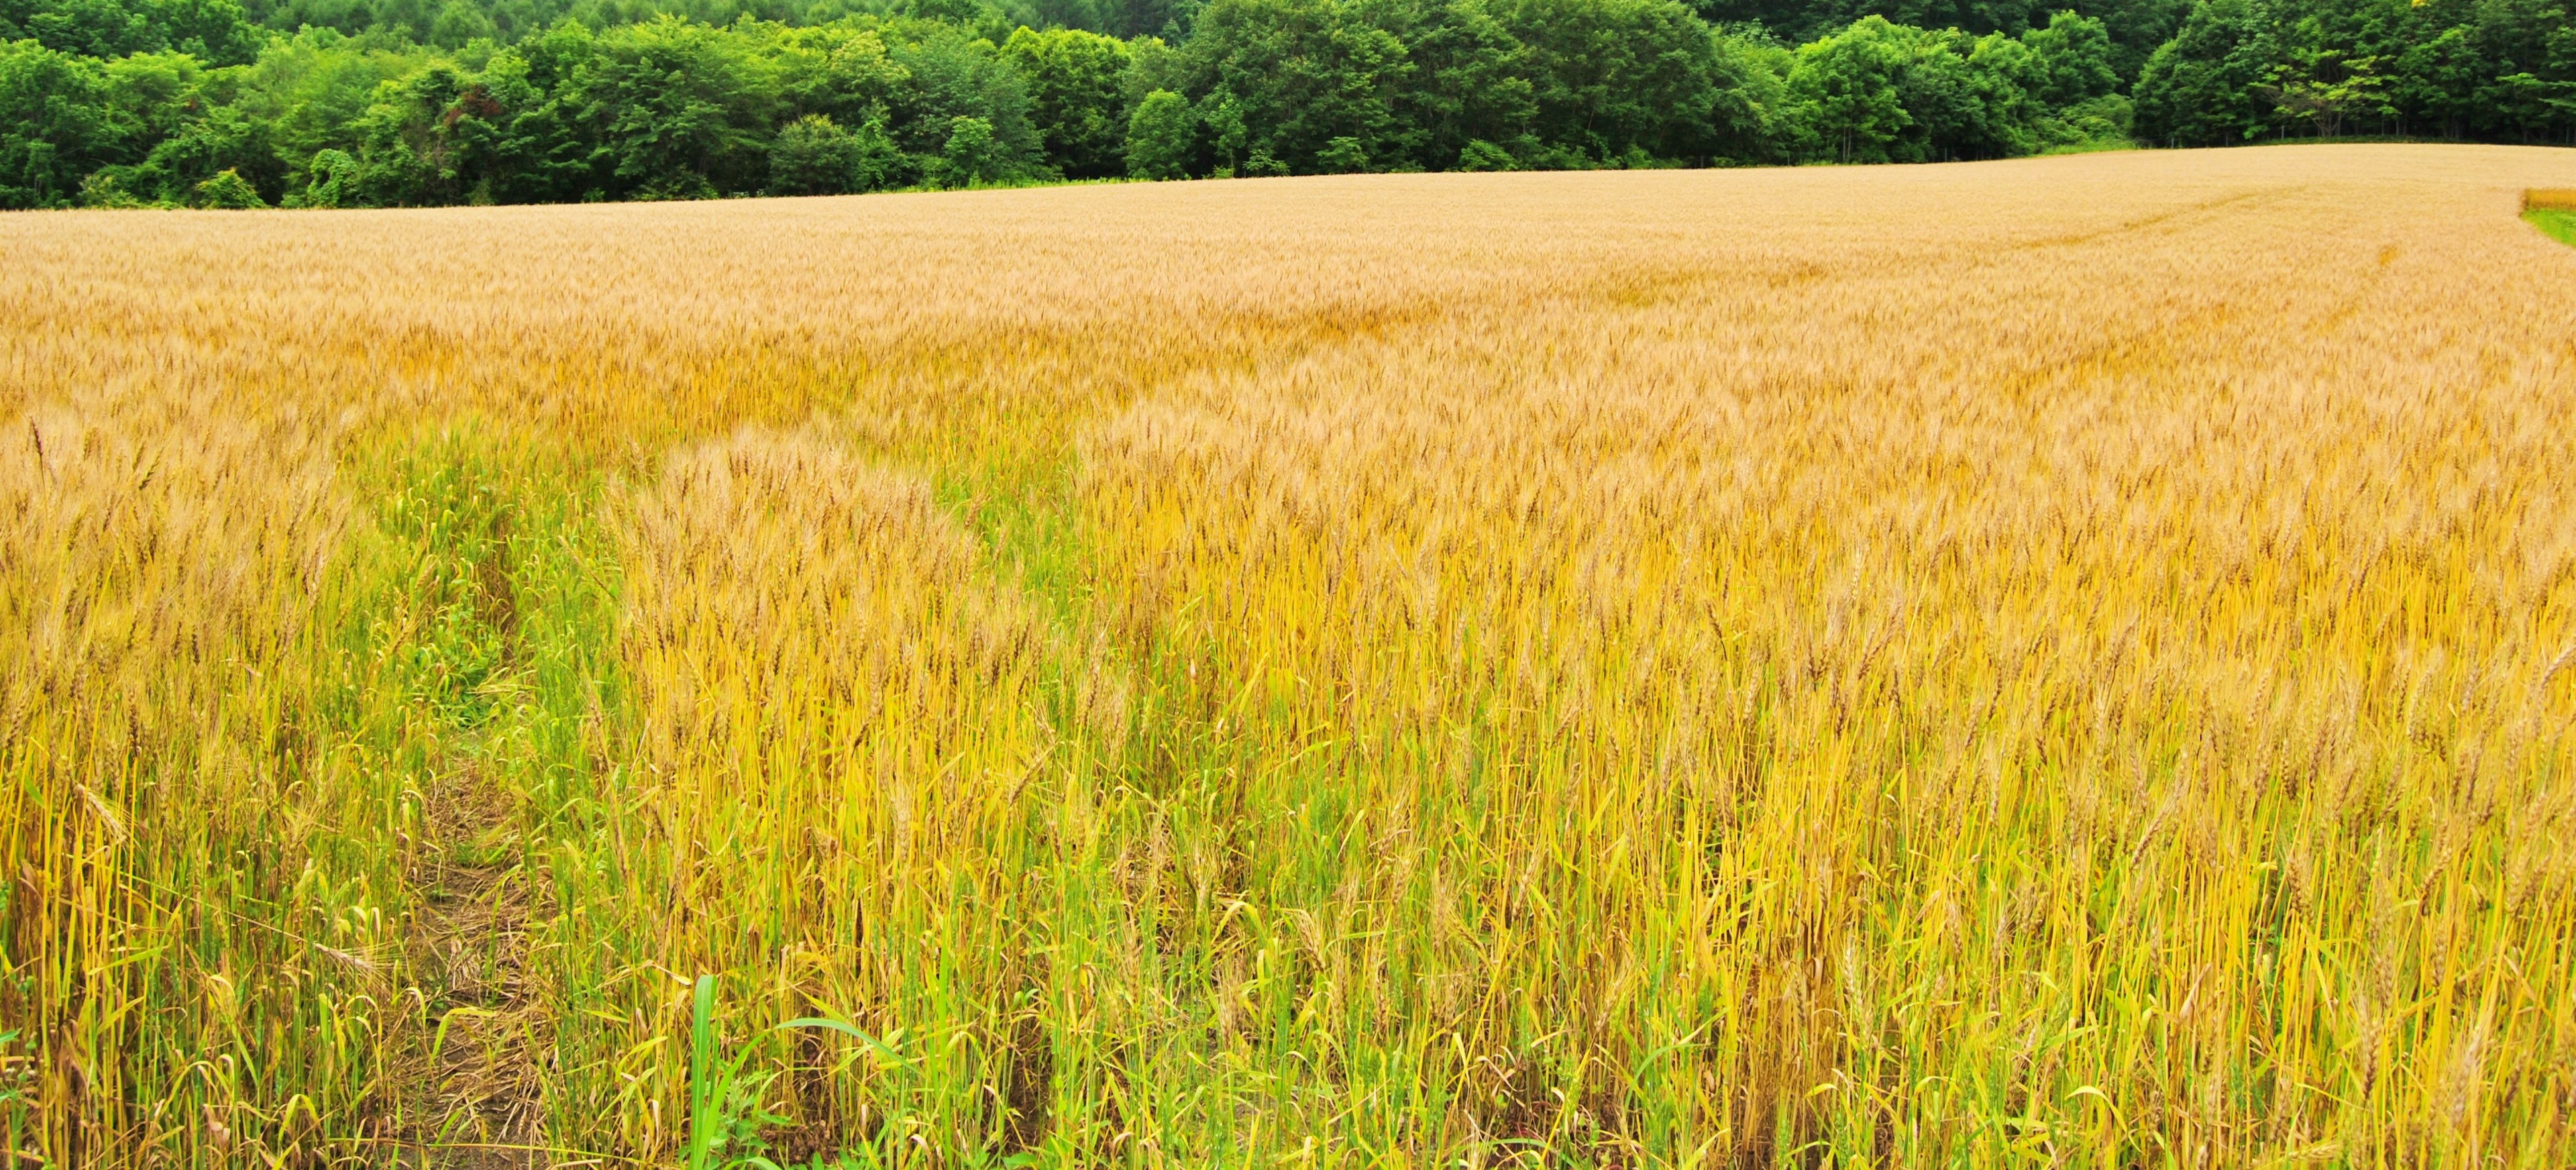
(2068, 661)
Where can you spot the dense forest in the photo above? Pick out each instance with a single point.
(339, 103)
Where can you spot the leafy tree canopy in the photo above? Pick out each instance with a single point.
(343, 103)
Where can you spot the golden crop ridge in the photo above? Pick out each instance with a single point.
(2058, 662)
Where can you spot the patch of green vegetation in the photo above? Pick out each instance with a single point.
(477, 642)
(2556, 223)
(2092, 146)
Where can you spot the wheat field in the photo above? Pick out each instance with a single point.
(2065, 662)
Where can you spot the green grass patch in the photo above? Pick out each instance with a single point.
(2092, 146)
(2558, 224)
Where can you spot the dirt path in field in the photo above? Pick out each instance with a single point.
(475, 1096)
(478, 1100)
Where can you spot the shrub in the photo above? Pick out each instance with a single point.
(227, 191)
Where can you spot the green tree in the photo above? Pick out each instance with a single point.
(407, 151)
(2073, 55)
(2532, 108)
(227, 191)
(1967, 97)
(950, 74)
(673, 110)
(89, 28)
(972, 156)
(1161, 136)
(2006, 80)
(55, 125)
(842, 71)
(1220, 116)
(222, 138)
(1845, 91)
(1342, 156)
(505, 139)
(152, 96)
(2324, 87)
(540, 146)
(331, 180)
(2199, 89)
(1300, 74)
(311, 89)
(1471, 83)
(1151, 65)
(2433, 86)
(461, 21)
(213, 31)
(2135, 27)
(812, 156)
(815, 156)
(1882, 92)
(1074, 84)
(1616, 77)
(1060, 14)
(1145, 18)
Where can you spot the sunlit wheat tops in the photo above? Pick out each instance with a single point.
(2066, 662)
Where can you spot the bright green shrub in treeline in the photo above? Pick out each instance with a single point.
(407, 102)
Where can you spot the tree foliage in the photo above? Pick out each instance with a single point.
(1075, 82)
(2241, 70)
(1161, 135)
(56, 124)
(410, 103)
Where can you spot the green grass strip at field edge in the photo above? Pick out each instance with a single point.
(2556, 223)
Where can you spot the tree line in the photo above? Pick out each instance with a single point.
(381, 103)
